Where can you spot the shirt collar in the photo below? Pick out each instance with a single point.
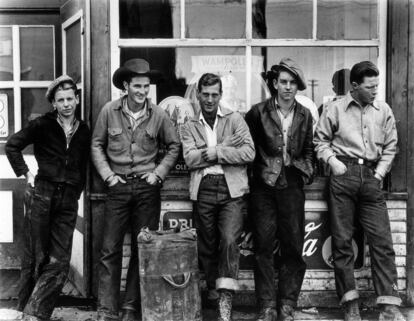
(349, 100)
(219, 114)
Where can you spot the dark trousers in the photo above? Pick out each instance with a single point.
(357, 195)
(219, 222)
(49, 223)
(128, 208)
(278, 214)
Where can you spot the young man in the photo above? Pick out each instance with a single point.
(282, 132)
(217, 147)
(125, 145)
(356, 136)
(61, 148)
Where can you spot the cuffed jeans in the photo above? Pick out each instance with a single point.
(219, 222)
(357, 195)
(51, 211)
(278, 214)
(128, 207)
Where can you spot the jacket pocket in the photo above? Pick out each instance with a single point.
(114, 138)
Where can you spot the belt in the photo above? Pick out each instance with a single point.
(129, 176)
(356, 161)
(213, 176)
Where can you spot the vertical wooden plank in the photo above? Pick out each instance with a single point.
(398, 22)
(100, 94)
(410, 161)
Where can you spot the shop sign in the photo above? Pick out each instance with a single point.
(317, 251)
(4, 117)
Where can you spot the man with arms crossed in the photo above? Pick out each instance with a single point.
(282, 132)
(125, 144)
(356, 136)
(217, 147)
(61, 148)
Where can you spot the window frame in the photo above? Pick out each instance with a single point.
(248, 42)
(17, 84)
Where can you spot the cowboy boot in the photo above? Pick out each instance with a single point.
(224, 305)
(390, 312)
(351, 312)
(286, 313)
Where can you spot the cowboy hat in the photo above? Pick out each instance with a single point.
(134, 67)
(291, 66)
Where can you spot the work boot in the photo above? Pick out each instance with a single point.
(351, 311)
(390, 312)
(267, 314)
(224, 305)
(286, 313)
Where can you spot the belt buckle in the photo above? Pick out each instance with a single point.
(360, 161)
(131, 176)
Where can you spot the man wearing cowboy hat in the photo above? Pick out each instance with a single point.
(61, 148)
(125, 145)
(282, 132)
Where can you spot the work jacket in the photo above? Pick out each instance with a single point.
(266, 129)
(57, 161)
(233, 160)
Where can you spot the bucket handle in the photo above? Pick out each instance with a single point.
(169, 279)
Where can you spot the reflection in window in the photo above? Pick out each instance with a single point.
(74, 52)
(282, 19)
(182, 67)
(149, 18)
(319, 65)
(34, 104)
(36, 53)
(6, 54)
(215, 19)
(351, 19)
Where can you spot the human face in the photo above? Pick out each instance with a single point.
(366, 91)
(138, 89)
(65, 102)
(209, 98)
(286, 86)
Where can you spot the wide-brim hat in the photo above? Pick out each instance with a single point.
(50, 92)
(291, 66)
(134, 67)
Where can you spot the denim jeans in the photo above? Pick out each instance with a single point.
(51, 211)
(278, 214)
(128, 208)
(219, 222)
(357, 195)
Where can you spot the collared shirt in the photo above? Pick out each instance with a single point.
(69, 131)
(286, 121)
(211, 134)
(135, 118)
(348, 129)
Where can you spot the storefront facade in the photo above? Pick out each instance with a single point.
(238, 40)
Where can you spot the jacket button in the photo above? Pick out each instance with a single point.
(278, 161)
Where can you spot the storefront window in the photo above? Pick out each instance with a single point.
(274, 19)
(74, 52)
(350, 20)
(215, 19)
(326, 69)
(149, 18)
(36, 53)
(34, 104)
(6, 54)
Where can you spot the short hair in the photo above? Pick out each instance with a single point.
(209, 79)
(361, 70)
(66, 85)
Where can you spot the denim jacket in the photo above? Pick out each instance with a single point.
(116, 148)
(266, 129)
(234, 160)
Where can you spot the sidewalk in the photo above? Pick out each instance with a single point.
(239, 314)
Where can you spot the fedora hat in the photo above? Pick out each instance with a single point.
(134, 67)
(291, 66)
